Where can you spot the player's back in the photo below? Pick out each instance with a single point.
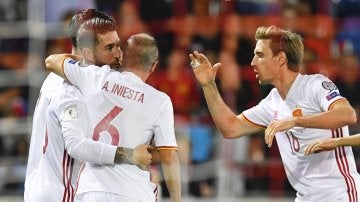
(123, 111)
(48, 88)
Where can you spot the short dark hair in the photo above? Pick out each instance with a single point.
(140, 50)
(79, 18)
(88, 31)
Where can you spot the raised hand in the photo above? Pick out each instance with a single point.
(205, 73)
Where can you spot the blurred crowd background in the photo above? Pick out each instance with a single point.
(222, 29)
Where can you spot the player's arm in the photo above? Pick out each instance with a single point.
(171, 169)
(54, 63)
(332, 143)
(74, 125)
(229, 124)
(339, 114)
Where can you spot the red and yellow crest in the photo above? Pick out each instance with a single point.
(297, 112)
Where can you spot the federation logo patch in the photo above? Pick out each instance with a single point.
(72, 61)
(297, 112)
(70, 112)
(332, 95)
(328, 85)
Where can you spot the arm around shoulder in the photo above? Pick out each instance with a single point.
(55, 62)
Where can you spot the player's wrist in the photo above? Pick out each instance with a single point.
(211, 85)
(338, 142)
(296, 121)
(124, 155)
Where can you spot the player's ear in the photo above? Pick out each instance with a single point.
(88, 54)
(153, 67)
(282, 58)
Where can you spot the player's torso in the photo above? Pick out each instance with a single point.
(55, 173)
(122, 112)
(306, 173)
(37, 142)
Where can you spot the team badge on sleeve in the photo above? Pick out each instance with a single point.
(328, 85)
(297, 112)
(70, 112)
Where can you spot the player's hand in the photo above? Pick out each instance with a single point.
(276, 126)
(321, 145)
(142, 156)
(205, 73)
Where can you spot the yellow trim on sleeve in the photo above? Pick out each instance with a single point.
(252, 123)
(336, 101)
(166, 148)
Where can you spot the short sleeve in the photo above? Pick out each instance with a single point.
(323, 92)
(164, 126)
(261, 114)
(72, 113)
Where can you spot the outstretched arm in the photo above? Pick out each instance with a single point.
(171, 168)
(332, 143)
(229, 124)
(54, 63)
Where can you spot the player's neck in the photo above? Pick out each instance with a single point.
(141, 74)
(285, 82)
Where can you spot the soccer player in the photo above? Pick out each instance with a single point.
(298, 110)
(131, 111)
(60, 128)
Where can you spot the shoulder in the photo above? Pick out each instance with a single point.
(157, 95)
(50, 85)
(68, 93)
(273, 95)
(157, 92)
(320, 81)
(315, 78)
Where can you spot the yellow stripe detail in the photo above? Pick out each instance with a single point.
(166, 148)
(252, 123)
(336, 101)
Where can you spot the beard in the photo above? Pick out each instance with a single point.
(116, 64)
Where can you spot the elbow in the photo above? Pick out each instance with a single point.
(228, 134)
(48, 62)
(352, 117)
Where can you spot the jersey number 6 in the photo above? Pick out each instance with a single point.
(105, 125)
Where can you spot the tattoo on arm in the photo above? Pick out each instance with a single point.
(123, 155)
